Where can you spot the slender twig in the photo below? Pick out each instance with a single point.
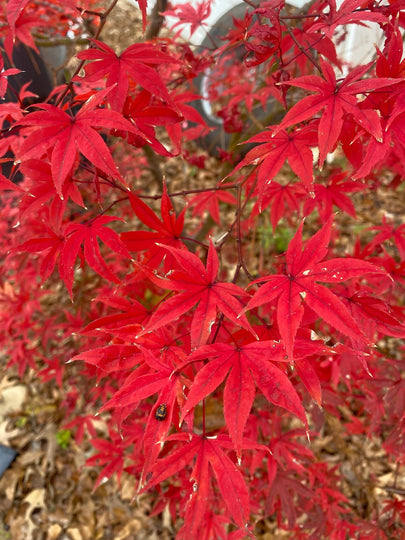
(184, 193)
(240, 210)
(251, 4)
(103, 19)
(301, 48)
(241, 262)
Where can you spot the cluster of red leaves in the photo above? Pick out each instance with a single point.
(175, 326)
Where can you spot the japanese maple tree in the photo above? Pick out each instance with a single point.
(220, 320)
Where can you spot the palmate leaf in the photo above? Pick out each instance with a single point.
(190, 16)
(335, 98)
(209, 201)
(14, 10)
(145, 113)
(135, 63)
(150, 376)
(333, 193)
(111, 358)
(62, 134)
(278, 146)
(21, 29)
(131, 314)
(246, 367)
(389, 231)
(167, 231)
(375, 316)
(208, 453)
(143, 4)
(280, 198)
(141, 384)
(304, 269)
(196, 284)
(348, 13)
(4, 74)
(89, 234)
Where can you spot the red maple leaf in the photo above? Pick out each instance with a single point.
(335, 98)
(192, 17)
(154, 376)
(264, 40)
(146, 115)
(133, 64)
(143, 4)
(110, 456)
(333, 193)
(168, 230)
(374, 152)
(87, 234)
(200, 286)
(132, 313)
(279, 146)
(208, 455)
(20, 27)
(209, 201)
(51, 243)
(111, 358)
(389, 231)
(14, 10)
(41, 192)
(309, 41)
(246, 367)
(374, 316)
(4, 74)
(305, 267)
(64, 134)
(280, 198)
(65, 245)
(190, 116)
(150, 377)
(391, 62)
(348, 13)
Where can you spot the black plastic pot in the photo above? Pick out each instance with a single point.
(36, 69)
(219, 137)
(42, 72)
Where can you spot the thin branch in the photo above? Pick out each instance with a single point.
(301, 48)
(156, 20)
(103, 20)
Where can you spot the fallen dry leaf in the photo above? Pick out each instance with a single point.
(12, 399)
(53, 532)
(35, 500)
